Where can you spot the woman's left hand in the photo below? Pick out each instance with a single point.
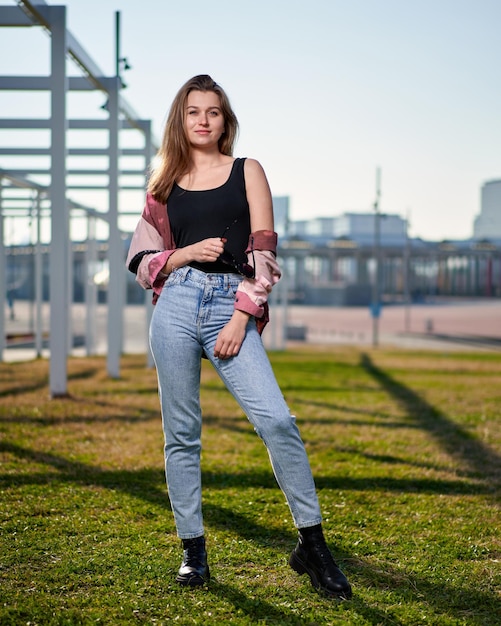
(231, 336)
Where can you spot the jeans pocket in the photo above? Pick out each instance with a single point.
(177, 276)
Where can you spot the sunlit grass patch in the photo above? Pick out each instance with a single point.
(406, 452)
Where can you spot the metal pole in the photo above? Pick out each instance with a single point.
(3, 275)
(70, 279)
(116, 276)
(117, 43)
(59, 297)
(376, 305)
(38, 278)
(407, 287)
(90, 287)
(150, 362)
(285, 304)
(31, 289)
(148, 155)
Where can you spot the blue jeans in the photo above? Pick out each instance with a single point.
(192, 309)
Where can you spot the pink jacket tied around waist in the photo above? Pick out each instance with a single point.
(152, 244)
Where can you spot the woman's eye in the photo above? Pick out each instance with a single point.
(214, 113)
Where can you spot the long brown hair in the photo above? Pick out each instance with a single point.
(173, 157)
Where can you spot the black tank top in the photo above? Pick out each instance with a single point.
(197, 215)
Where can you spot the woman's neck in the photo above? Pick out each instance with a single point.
(202, 160)
(208, 170)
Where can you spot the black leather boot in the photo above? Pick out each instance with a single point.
(312, 556)
(194, 570)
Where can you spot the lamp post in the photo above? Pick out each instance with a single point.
(119, 60)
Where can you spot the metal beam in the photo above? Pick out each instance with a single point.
(32, 123)
(7, 122)
(104, 172)
(14, 16)
(72, 151)
(38, 10)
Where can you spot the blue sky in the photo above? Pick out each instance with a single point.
(325, 91)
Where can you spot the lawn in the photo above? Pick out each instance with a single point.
(405, 448)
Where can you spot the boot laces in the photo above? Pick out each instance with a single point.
(193, 551)
(323, 552)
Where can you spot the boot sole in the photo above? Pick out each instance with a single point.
(193, 580)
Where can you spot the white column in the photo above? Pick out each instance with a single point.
(59, 297)
(90, 287)
(38, 278)
(148, 149)
(115, 253)
(3, 277)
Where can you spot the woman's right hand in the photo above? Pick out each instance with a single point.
(205, 251)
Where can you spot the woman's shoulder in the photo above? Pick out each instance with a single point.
(253, 169)
(252, 165)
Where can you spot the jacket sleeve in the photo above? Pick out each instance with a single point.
(252, 293)
(148, 252)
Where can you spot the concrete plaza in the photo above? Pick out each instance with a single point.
(442, 325)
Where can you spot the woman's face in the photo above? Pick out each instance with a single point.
(203, 119)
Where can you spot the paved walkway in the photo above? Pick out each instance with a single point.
(442, 325)
(455, 325)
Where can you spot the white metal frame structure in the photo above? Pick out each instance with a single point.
(24, 198)
(37, 13)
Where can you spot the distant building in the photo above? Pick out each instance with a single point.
(356, 226)
(281, 215)
(487, 225)
(360, 228)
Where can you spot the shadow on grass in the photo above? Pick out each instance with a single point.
(41, 381)
(389, 459)
(456, 441)
(84, 374)
(331, 406)
(259, 611)
(493, 343)
(144, 414)
(440, 598)
(148, 485)
(134, 481)
(475, 606)
(17, 389)
(266, 480)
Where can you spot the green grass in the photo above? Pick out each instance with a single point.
(406, 452)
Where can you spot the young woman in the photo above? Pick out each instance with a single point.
(206, 246)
